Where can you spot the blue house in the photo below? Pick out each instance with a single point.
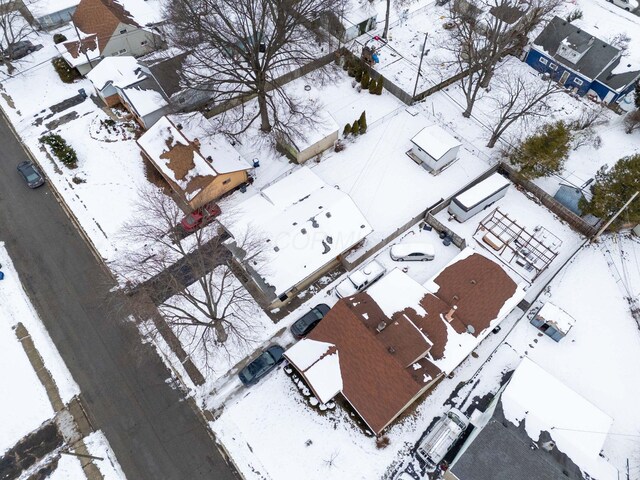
(581, 62)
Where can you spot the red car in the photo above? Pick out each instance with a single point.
(200, 217)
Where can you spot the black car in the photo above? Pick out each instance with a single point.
(267, 361)
(307, 322)
(31, 174)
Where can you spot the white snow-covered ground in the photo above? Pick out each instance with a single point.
(24, 404)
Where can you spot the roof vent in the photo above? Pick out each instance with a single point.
(456, 298)
(328, 214)
(179, 126)
(304, 230)
(473, 282)
(209, 159)
(381, 326)
(391, 349)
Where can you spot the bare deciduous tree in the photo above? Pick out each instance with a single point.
(190, 280)
(632, 121)
(13, 28)
(519, 98)
(239, 48)
(584, 126)
(485, 31)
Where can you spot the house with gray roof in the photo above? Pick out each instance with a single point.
(582, 63)
(536, 428)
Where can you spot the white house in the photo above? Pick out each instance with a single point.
(301, 226)
(49, 13)
(107, 28)
(434, 148)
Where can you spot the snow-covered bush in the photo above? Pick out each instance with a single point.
(61, 149)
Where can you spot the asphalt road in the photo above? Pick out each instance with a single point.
(153, 432)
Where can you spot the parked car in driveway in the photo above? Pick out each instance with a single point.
(267, 361)
(31, 174)
(20, 49)
(628, 5)
(360, 279)
(444, 434)
(415, 252)
(200, 217)
(308, 321)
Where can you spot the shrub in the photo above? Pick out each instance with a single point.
(574, 15)
(359, 75)
(355, 128)
(636, 94)
(373, 86)
(346, 131)
(363, 122)
(339, 146)
(59, 38)
(365, 80)
(66, 73)
(351, 72)
(544, 152)
(382, 442)
(61, 149)
(379, 85)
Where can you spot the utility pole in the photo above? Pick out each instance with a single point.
(426, 35)
(82, 49)
(595, 238)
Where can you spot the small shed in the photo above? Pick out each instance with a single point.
(316, 140)
(570, 197)
(434, 148)
(553, 321)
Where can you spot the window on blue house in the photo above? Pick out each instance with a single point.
(577, 81)
(553, 66)
(543, 60)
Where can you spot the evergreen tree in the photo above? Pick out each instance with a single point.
(611, 190)
(363, 122)
(544, 152)
(365, 80)
(346, 131)
(379, 85)
(373, 85)
(359, 75)
(637, 95)
(355, 128)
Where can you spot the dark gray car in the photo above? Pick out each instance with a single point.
(267, 361)
(307, 322)
(20, 49)
(31, 174)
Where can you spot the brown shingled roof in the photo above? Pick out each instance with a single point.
(384, 371)
(374, 382)
(101, 17)
(479, 288)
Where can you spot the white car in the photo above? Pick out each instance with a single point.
(416, 252)
(360, 279)
(626, 4)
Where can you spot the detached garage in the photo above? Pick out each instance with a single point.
(434, 148)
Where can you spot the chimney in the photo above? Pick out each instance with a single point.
(449, 316)
(391, 350)
(381, 326)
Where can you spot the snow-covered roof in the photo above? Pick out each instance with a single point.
(179, 156)
(320, 364)
(40, 8)
(145, 100)
(80, 52)
(120, 71)
(324, 125)
(554, 315)
(482, 190)
(302, 224)
(578, 427)
(356, 12)
(397, 291)
(225, 158)
(435, 141)
(147, 12)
